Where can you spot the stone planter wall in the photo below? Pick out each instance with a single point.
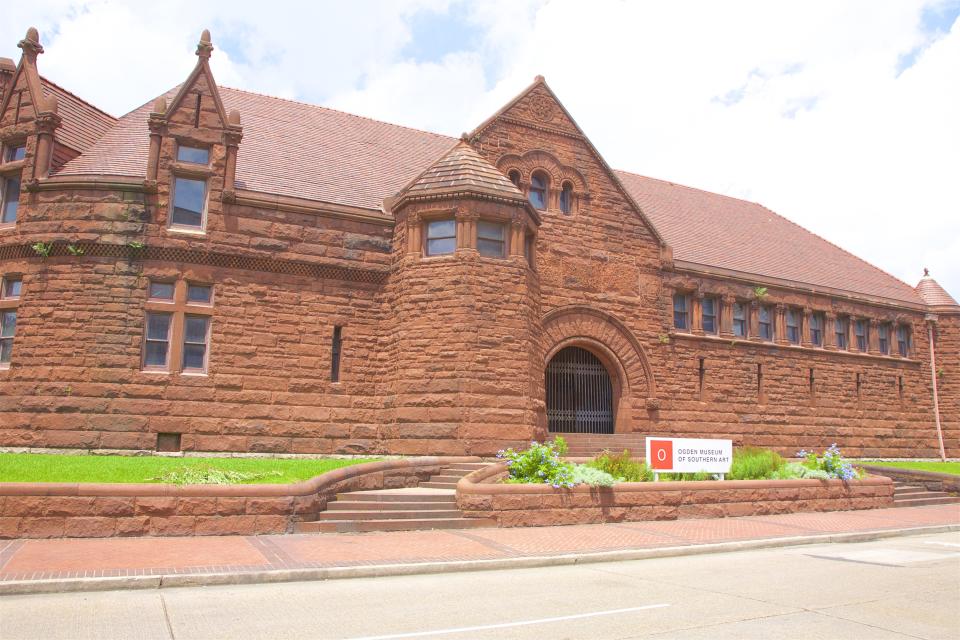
(517, 505)
(81, 510)
(929, 479)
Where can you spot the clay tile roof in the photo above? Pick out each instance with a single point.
(933, 294)
(722, 232)
(463, 169)
(83, 124)
(292, 148)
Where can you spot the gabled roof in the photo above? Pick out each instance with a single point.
(296, 149)
(460, 170)
(718, 231)
(83, 124)
(933, 294)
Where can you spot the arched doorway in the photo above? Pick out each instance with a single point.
(579, 393)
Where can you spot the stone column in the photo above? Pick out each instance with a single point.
(781, 324)
(830, 331)
(726, 315)
(696, 313)
(805, 324)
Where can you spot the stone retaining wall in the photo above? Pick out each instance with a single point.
(929, 479)
(518, 505)
(54, 510)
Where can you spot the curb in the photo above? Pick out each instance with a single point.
(25, 587)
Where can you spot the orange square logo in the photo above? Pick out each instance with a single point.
(661, 454)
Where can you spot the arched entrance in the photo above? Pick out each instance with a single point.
(579, 393)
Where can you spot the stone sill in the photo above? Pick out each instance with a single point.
(740, 342)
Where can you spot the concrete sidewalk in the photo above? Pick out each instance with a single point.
(34, 566)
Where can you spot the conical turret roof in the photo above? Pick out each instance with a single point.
(461, 170)
(932, 293)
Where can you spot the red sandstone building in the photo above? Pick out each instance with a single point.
(225, 271)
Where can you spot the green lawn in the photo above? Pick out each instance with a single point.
(938, 467)
(34, 467)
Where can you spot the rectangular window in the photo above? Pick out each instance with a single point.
(10, 289)
(860, 331)
(765, 324)
(441, 237)
(681, 319)
(196, 335)
(199, 294)
(903, 340)
(842, 330)
(491, 239)
(8, 326)
(335, 352)
(156, 350)
(883, 339)
(740, 319)
(189, 202)
(9, 199)
(14, 153)
(793, 326)
(193, 155)
(709, 307)
(161, 291)
(816, 329)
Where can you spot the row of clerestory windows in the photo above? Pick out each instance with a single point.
(539, 191)
(491, 239)
(794, 325)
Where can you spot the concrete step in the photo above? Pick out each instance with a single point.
(920, 493)
(923, 502)
(356, 526)
(374, 496)
(439, 485)
(383, 505)
(444, 478)
(372, 514)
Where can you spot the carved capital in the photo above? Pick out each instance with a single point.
(48, 122)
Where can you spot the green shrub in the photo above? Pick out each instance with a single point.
(622, 467)
(582, 474)
(754, 463)
(699, 476)
(210, 475)
(832, 463)
(540, 464)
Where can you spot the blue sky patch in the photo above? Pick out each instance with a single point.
(435, 34)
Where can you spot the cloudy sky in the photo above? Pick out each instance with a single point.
(843, 116)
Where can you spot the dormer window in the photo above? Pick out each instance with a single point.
(13, 153)
(566, 198)
(189, 203)
(193, 155)
(538, 190)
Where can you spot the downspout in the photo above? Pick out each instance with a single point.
(931, 319)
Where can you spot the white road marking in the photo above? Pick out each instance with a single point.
(507, 625)
(946, 544)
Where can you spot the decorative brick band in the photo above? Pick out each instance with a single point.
(88, 510)
(192, 256)
(531, 505)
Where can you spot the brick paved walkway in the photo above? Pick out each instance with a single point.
(116, 557)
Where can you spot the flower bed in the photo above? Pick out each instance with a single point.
(87, 510)
(479, 495)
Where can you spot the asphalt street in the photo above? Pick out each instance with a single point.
(907, 587)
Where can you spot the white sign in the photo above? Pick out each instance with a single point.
(689, 455)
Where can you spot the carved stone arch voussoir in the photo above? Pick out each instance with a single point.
(609, 339)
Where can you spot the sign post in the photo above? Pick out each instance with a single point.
(689, 455)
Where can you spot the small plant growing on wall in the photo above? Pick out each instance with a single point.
(75, 250)
(664, 338)
(760, 292)
(136, 245)
(42, 249)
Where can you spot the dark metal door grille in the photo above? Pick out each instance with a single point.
(579, 393)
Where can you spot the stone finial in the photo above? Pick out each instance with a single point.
(31, 43)
(205, 46)
(160, 106)
(233, 117)
(926, 272)
(539, 78)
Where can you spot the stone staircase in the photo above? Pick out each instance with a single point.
(587, 445)
(916, 495)
(431, 505)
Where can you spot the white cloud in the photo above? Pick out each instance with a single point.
(801, 106)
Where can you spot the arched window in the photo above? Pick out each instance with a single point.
(514, 176)
(566, 198)
(538, 190)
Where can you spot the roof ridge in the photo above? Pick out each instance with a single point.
(44, 79)
(340, 111)
(782, 217)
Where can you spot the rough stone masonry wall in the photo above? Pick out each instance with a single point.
(948, 378)
(46, 510)
(602, 257)
(531, 505)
